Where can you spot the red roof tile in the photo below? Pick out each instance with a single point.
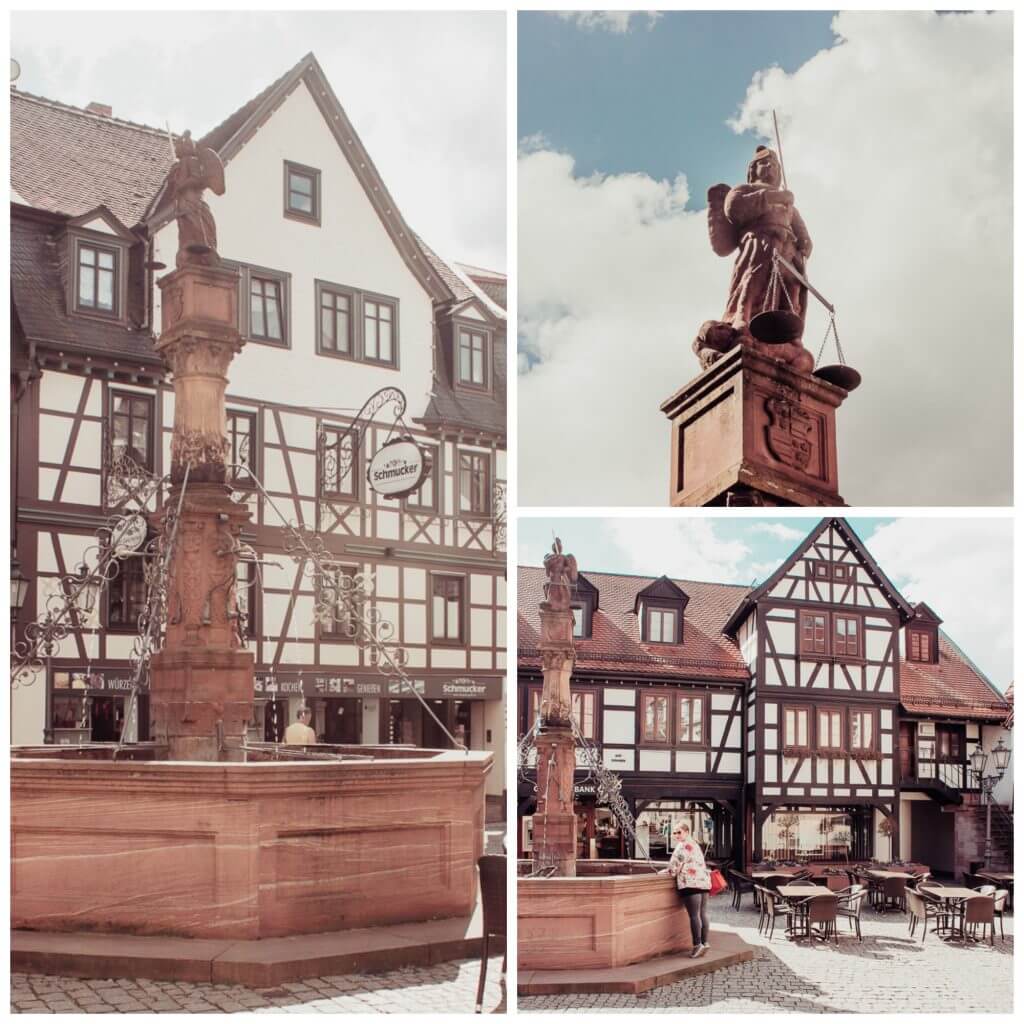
(953, 687)
(615, 644)
(66, 160)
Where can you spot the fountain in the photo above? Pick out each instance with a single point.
(198, 834)
(589, 925)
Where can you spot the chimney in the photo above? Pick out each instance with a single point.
(100, 108)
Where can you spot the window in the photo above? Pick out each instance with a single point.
(583, 712)
(579, 621)
(379, 335)
(796, 728)
(337, 592)
(655, 718)
(97, 290)
(475, 483)
(425, 496)
(920, 646)
(266, 316)
(662, 625)
(830, 729)
(862, 731)
(335, 323)
(813, 638)
(691, 721)
(131, 423)
(241, 445)
(126, 594)
(301, 192)
(338, 476)
(846, 638)
(533, 695)
(472, 358)
(839, 571)
(949, 744)
(446, 610)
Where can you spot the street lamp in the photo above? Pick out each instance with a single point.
(19, 588)
(987, 783)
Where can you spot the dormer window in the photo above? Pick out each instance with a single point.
(923, 635)
(473, 358)
(660, 608)
(97, 279)
(919, 645)
(583, 607)
(662, 626)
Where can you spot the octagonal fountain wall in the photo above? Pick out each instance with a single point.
(243, 850)
(612, 913)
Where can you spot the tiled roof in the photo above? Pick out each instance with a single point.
(953, 687)
(615, 644)
(38, 296)
(456, 284)
(66, 160)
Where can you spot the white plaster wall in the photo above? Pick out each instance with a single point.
(619, 726)
(28, 712)
(351, 247)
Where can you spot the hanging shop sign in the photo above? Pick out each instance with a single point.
(320, 685)
(397, 468)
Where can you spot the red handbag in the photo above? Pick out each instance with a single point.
(718, 883)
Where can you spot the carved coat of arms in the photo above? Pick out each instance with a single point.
(790, 431)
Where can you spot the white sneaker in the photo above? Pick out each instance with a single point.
(698, 950)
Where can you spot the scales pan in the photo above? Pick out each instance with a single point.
(776, 327)
(845, 377)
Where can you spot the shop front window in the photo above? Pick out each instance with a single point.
(829, 835)
(463, 723)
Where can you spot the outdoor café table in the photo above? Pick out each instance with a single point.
(952, 896)
(883, 874)
(800, 891)
(1002, 879)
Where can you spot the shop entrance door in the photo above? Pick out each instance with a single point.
(107, 719)
(402, 722)
(434, 736)
(343, 720)
(275, 720)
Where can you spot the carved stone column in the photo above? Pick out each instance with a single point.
(554, 823)
(201, 677)
(753, 431)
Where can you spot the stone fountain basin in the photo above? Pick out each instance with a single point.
(613, 913)
(244, 850)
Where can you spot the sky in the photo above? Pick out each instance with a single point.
(897, 141)
(425, 91)
(961, 567)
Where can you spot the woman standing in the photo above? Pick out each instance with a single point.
(693, 880)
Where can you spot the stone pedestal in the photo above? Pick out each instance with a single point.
(751, 431)
(201, 677)
(554, 823)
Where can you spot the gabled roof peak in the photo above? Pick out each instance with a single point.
(923, 613)
(662, 589)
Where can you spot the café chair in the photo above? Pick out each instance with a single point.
(923, 909)
(999, 908)
(772, 907)
(985, 890)
(849, 906)
(893, 894)
(978, 910)
(740, 884)
(821, 911)
(493, 896)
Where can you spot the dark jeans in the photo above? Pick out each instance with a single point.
(696, 903)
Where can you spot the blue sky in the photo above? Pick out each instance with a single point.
(937, 559)
(768, 541)
(656, 100)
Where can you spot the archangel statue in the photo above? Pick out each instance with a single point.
(562, 575)
(759, 219)
(197, 168)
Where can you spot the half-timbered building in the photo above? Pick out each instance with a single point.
(339, 300)
(790, 719)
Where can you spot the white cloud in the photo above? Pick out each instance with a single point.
(963, 569)
(617, 22)
(779, 530)
(898, 145)
(432, 114)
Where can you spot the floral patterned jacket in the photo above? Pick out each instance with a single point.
(688, 868)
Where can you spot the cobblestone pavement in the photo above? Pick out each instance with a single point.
(442, 988)
(888, 972)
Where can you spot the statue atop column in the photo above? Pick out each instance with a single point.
(562, 575)
(196, 169)
(759, 219)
